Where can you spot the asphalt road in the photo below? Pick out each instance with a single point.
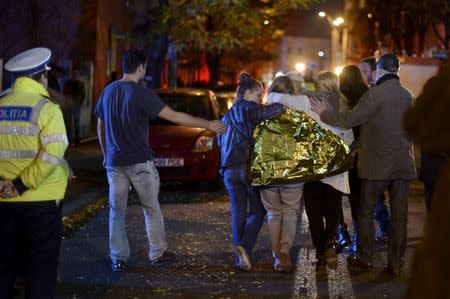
(198, 231)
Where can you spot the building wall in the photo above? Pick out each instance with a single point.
(295, 49)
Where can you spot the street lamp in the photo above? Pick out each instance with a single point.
(300, 67)
(338, 52)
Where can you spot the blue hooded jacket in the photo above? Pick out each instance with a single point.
(237, 143)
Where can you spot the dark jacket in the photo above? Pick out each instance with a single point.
(237, 143)
(428, 123)
(385, 152)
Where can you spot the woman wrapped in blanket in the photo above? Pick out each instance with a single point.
(320, 155)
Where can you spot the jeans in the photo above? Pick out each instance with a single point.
(398, 196)
(282, 204)
(382, 216)
(145, 180)
(322, 201)
(245, 225)
(38, 225)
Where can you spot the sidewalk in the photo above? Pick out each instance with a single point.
(90, 181)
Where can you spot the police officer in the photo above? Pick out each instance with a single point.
(33, 177)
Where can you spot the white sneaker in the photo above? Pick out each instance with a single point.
(243, 260)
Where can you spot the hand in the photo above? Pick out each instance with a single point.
(217, 126)
(317, 105)
(7, 190)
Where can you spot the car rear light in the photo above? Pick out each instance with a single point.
(203, 144)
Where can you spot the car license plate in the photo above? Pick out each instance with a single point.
(168, 162)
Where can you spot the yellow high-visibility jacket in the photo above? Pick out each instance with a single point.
(33, 140)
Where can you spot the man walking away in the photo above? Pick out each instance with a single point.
(123, 111)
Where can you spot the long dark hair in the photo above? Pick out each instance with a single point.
(246, 82)
(352, 84)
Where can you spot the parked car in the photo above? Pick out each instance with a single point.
(225, 100)
(186, 154)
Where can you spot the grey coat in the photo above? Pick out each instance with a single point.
(385, 151)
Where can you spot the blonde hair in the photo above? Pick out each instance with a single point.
(329, 82)
(282, 84)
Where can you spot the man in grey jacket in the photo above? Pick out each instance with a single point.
(385, 161)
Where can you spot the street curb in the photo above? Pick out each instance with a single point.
(78, 212)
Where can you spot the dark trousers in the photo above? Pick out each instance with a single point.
(247, 210)
(398, 196)
(72, 120)
(381, 211)
(322, 202)
(39, 225)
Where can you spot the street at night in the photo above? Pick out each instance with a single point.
(224, 149)
(199, 233)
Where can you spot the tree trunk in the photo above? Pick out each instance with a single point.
(213, 59)
(156, 54)
(172, 64)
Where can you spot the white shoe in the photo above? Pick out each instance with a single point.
(243, 260)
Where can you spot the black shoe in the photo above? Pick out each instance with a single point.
(356, 262)
(331, 257)
(344, 237)
(163, 259)
(243, 259)
(396, 271)
(382, 237)
(321, 263)
(118, 266)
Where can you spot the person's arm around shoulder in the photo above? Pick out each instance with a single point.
(295, 102)
(185, 119)
(257, 113)
(347, 119)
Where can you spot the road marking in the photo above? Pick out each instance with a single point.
(305, 284)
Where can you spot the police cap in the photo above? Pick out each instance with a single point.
(30, 62)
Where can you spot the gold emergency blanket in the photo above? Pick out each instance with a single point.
(293, 148)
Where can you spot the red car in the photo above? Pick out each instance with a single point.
(185, 154)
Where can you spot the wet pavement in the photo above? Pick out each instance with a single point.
(199, 233)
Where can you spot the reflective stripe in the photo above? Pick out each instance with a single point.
(20, 131)
(49, 158)
(52, 138)
(37, 110)
(30, 154)
(66, 165)
(55, 161)
(17, 154)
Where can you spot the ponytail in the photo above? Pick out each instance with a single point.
(246, 82)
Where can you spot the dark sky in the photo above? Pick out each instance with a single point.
(308, 24)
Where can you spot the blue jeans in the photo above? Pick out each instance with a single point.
(382, 216)
(244, 225)
(145, 180)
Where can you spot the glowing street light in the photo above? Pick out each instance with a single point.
(322, 14)
(338, 22)
(266, 22)
(338, 70)
(321, 54)
(300, 67)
